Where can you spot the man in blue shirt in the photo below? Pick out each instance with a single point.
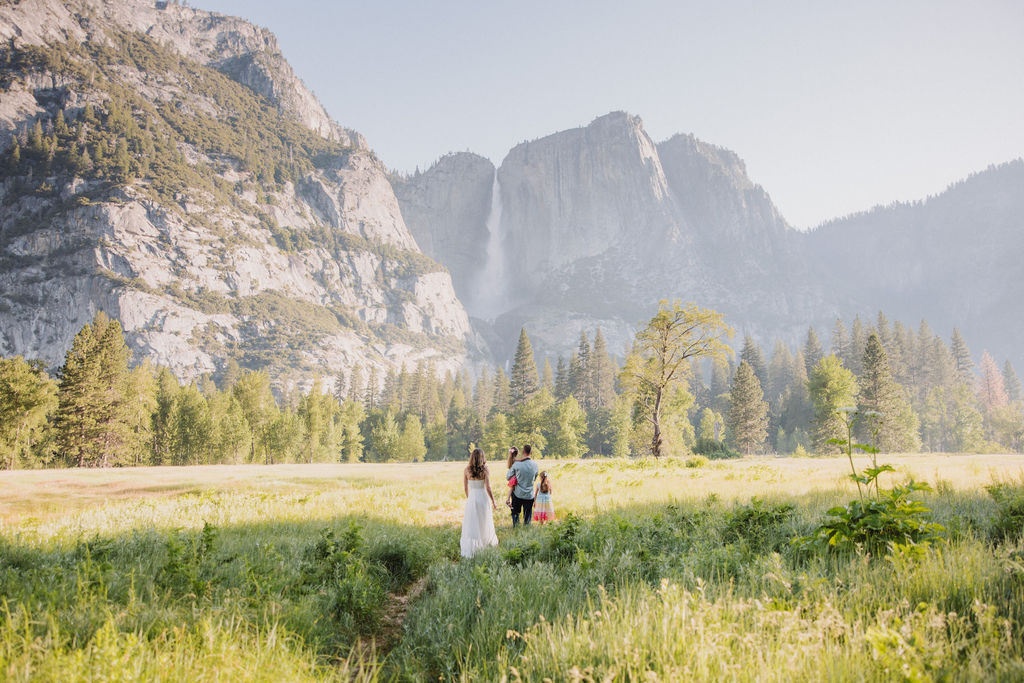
(525, 471)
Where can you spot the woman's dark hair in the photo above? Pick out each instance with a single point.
(477, 464)
(545, 483)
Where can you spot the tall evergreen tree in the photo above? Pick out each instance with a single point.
(602, 373)
(1013, 386)
(754, 357)
(579, 372)
(991, 385)
(812, 350)
(562, 384)
(351, 436)
(355, 384)
(747, 422)
(340, 392)
(568, 429)
(780, 371)
(840, 340)
(411, 446)
(721, 381)
(92, 416)
(502, 402)
(831, 388)
(523, 382)
(27, 398)
(252, 391)
(483, 394)
(962, 363)
(547, 376)
(884, 410)
(858, 342)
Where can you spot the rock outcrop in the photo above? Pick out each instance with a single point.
(446, 208)
(183, 180)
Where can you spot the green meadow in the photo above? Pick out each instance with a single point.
(655, 571)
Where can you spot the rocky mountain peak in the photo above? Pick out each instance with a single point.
(245, 52)
(144, 174)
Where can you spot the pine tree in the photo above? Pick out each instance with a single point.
(840, 340)
(991, 385)
(497, 437)
(92, 417)
(192, 428)
(747, 422)
(962, 363)
(721, 380)
(140, 405)
(884, 410)
(831, 387)
(562, 389)
(602, 373)
(754, 357)
(384, 438)
(27, 398)
(371, 395)
(579, 373)
(858, 342)
(252, 391)
(523, 382)
(355, 385)
(340, 392)
(570, 425)
(1013, 386)
(813, 352)
(780, 372)
(351, 436)
(502, 402)
(231, 432)
(411, 446)
(483, 395)
(548, 376)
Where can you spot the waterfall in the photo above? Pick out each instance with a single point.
(491, 282)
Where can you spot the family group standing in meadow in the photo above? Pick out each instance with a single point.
(528, 496)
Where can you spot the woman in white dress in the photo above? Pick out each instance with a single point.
(478, 520)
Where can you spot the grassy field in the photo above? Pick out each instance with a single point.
(655, 571)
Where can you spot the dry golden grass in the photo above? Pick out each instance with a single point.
(431, 493)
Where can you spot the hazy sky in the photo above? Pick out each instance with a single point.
(835, 106)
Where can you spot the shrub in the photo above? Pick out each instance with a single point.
(715, 450)
(1009, 521)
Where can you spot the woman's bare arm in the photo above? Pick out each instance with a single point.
(487, 485)
(465, 481)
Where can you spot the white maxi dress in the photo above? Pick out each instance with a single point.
(478, 520)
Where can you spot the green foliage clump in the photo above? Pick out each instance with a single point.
(1009, 522)
(714, 449)
(882, 524)
(349, 587)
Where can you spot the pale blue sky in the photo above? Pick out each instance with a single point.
(835, 106)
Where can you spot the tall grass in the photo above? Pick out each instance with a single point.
(655, 571)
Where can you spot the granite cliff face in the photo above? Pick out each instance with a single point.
(600, 223)
(167, 167)
(446, 208)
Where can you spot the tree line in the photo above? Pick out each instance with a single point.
(679, 389)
